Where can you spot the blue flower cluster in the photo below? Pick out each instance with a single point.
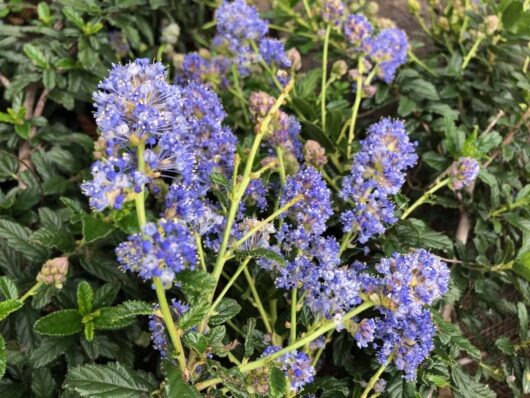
(378, 171)
(357, 30)
(296, 365)
(200, 68)
(179, 127)
(273, 53)
(157, 328)
(161, 250)
(332, 11)
(463, 173)
(406, 286)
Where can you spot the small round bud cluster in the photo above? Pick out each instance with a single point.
(260, 103)
(332, 11)
(463, 173)
(295, 58)
(339, 68)
(492, 24)
(315, 154)
(54, 272)
(170, 34)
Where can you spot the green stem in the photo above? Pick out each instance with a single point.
(31, 291)
(424, 197)
(415, 59)
(199, 249)
(265, 66)
(356, 105)
(261, 224)
(326, 327)
(240, 269)
(508, 207)
(346, 241)
(374, 380)
(239, 94)
(472, 52)
(292, 334)
(257, 301)
(324, 77)
(281, 164)
(159, 287)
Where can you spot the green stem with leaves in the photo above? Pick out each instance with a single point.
(375, 378)
(356, 105)
(472, 52)
(31, 291)
(174, 334)
(324, 77)
(231, 281)
(424, 197)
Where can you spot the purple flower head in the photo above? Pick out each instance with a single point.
(388, 51)
(312, 212)
(162, 250)
(364, 332)
(295, 365)
(285, 130)
(119, 44)
(356, 30)
(157, 328)
(238, 20)
(273, 52)
(196, 68)
(463, 173)
(378, 171)
(332, 11)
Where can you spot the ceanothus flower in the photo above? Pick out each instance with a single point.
(364, 332)
(388, 51)
(356, 30)
(378, 171)
(273, 52)
(157, 328)
(332, 11)
(161, 250)
(311, 213)
(197, 68)
(463, 173)
(296, 365)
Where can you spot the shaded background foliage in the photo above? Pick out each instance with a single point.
(53, 55)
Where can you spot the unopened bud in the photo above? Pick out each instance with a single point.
(294, 56)
(54, 272)
(315, 154)
(205, 53)
(353, 74)
(339, 68)
(372, 8)
(492, 24)
(414, 6)
(260, 103)
(444, 23)
(370, 91)
(178, 60)
(384, 23)
(170, 34)
(283, 77)
(291, 163)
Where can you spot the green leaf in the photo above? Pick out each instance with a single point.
(522, 315)
(111, 318)
(505, 345)
(95, 228)
(85, 298)
(277, 383)
(42, 383)
(406, 106)
(74, 17)
(220, 179)
(195, 284)
(215, 340)
(23, 130)
(194, 315)
(49, 78)
(227, 309)
(3, 357)
(60, 323)
(196, 341)
(89, 330)
(511, 14)
(8, 288)
(110, 380)
(175, 386)
(9, 306)
(17, 238)
(250, 340)
(50, 349)
(265, 253)
(423, 89)
(44, 12)
(36, 56)
(522, 265)
(467, 387)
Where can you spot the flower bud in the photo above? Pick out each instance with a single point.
(339, 68)
(414, 6)
(294, 56)
(291, 163)
(492, 24)
(353, 74)
(384, 23)
(443, 22)
(54, 272)
(372, 8)
(178, 60)
(260, 103)
(370, 90)
(283, 77)
(170, 34)
(314, 154)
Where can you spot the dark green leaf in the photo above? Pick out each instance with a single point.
(220, 179)
(467, 387)
(110, 380)
(17, 237)
(195, 284)
(60, 323)
(42, 383)
(250, 341)
(49, 350)
(35, 55)
(227, 309)
(95, 228)
(9, 306)
(277, 383)
(85, 298)
(8, 288)
(522, 315)
(194, 315)
(3, 357)
(175, 386)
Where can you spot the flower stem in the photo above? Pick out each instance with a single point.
(424, 197)
(159, 287)
(472, 52)
(292, 335)
(326, 327)
(356, 105)
(374, 380)
(324, 77)
(257, 301)
(346, 241)
(261, 224)
(281, 164)
(31, 291)
(199, 249)
(230, 283)
(239, 94)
